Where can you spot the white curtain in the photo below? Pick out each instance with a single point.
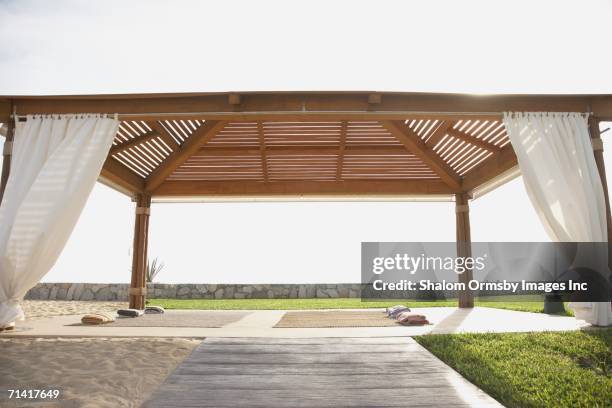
(55, 164)
(556, 159)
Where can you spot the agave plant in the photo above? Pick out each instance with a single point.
(153, 269)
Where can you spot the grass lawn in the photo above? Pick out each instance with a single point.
(561, 369)
(337, 303)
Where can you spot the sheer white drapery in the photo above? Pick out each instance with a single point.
(556, 159)
(56, 162)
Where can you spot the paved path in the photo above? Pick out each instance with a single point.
(315, 372)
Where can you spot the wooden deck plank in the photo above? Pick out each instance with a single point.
(290, 358)
(305, 379)
(408, 396)
(314, 340)
(312, 369)
(308, 348)
(309, 373)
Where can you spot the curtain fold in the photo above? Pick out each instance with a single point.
(56, 162)
(556, 159)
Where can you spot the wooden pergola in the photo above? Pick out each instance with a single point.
(306, 144)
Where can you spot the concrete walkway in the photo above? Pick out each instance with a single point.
(260, 324)
(321, 372)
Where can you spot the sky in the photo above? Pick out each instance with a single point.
(85, 47)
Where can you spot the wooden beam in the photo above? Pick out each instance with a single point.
(233, 99)
(597, 143)
(197, 139)
(117, 173)
(472, 140)
(367, 188)
(138, 285)
(415, 145)
(302, 151)
(495, 165)
(341, 150)
(601, 106)
(166, 137)
(6, 109)
(262, 151)
(6, 156)
(342, 105)
(464, 246)
(374, 99)
(134, 142)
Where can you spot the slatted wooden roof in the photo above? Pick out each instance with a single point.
(300, 144)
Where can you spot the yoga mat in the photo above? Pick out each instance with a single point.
(335, 318)
(180, 318)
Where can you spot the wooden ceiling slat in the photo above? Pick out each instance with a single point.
(262, 151)
(473, 162)
(466, 153)
(138, 159)
(130, 163)
(153, 156)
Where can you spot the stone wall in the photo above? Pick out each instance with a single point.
(119, 291)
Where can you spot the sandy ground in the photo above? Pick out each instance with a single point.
(89, 372)
(44, 308)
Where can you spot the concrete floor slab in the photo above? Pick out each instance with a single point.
(260, 324)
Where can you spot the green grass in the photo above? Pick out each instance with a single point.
(563, 369)
(336, 303)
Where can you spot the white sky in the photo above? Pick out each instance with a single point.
(64, 47)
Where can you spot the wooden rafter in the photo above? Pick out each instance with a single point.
(116, 173)
(166, 137)
(439, 133)
(341, 150)
(197, 139)
(495, 165)
(145, 137)
(415, 145)
(262, 151)
(472, 140)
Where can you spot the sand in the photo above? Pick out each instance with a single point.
(100, 372)
(35, 309)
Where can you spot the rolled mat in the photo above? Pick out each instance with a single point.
(130, 312)
(154, 310)
(8, 326)
(411, 319)
(97, 318)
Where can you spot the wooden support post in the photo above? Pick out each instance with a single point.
(464, 246)
(599, 160)
(7, 153)
(138, 287)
